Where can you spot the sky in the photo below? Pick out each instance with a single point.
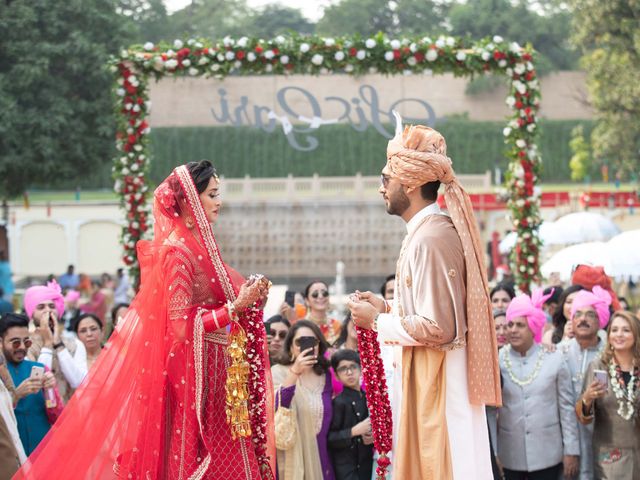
(311, 9)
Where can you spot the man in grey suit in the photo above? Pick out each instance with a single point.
(587, 344)
(537, 426)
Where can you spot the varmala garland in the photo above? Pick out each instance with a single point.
(246, 384)
(626, 399)
(505, 352)
(377, 397)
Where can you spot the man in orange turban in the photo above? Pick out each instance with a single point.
(440, 322)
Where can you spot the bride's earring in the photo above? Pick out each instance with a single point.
(189, 222)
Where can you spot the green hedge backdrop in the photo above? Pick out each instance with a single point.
(237, 151)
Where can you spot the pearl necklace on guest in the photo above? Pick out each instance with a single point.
(505, 351)
(626, 399)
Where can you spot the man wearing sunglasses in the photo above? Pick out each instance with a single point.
(277, 328)
(440, 321)
(33, 416)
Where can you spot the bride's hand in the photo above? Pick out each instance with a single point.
(250, 292)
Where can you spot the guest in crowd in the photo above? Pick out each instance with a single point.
(624, 304)
(11, 450)
(71, 309)
(350, 437)
(70, 279)
(6, 278)
(537, 429)
(316, 295)
(277, 328)
(614, 405)
(84, 285)
(294, 312)
(550, 307)
(561, 327)
(303, 384)
(589, 313)
(33, 416)
(44, 305)
(121, 292)
(5, 305)
(501, 296)
(589, 276)
(388, 287)
(118, 313)
(348, 336)
(90, 331)
(500, 319)
(97, 304)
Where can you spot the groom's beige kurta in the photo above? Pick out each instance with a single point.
(438, 434)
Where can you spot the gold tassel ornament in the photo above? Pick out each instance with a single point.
(237, 401)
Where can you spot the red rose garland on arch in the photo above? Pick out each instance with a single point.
(134, 67)
(377, 397)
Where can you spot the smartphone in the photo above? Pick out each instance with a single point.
(306, 343)
(290, 297)
(37, 373)
(602, 377)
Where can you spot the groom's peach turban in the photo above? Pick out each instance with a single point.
(416, 156)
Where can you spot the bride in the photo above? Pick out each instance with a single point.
(172, 395)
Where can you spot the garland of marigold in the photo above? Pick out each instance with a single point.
(377, 398)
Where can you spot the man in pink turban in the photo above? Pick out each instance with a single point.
(44, 305)
(440, 325)
(589, 315)
(538, 431)
(531, 309)
(596, 301)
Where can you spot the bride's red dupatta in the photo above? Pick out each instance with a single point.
(115, 424)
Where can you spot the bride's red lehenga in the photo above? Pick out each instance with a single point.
(153, 405)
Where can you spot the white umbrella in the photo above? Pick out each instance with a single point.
(563, 262)
(585, 227)
(548, 232)
(624, 253)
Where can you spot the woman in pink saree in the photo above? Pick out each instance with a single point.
(180, 391)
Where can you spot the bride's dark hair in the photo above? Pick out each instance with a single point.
(201, 172)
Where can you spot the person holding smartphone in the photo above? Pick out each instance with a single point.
(303, 384)
(33, 416)
(610, 400)
(589, 313)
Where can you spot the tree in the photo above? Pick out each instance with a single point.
(209, 19)
(607, 34)
(276, 19)
(580, 163)
(55, 121)
(547, 31)
(368, 17)
(147, 19)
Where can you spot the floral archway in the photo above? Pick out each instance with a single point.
(137, 65)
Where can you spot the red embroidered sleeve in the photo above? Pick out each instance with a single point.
(181, 273)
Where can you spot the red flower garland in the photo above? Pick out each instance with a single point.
(377, 397)
(254, 326)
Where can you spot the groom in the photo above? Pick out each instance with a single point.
(446, 366)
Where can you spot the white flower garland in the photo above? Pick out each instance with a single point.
(506, 350)
(625, 408)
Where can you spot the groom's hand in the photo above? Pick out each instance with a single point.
(373, 299)
(363, 313)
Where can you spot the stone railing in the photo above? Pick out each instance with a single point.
(291, 187)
